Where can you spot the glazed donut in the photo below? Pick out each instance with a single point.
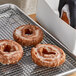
(10, 52)
(48, 55)
(65, 18)
(28, 35)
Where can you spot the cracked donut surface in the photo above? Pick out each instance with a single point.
(10, 52)
(48, 55)
(28, 35)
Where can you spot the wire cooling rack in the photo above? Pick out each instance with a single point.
(11, 18)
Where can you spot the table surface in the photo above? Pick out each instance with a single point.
(33, 16)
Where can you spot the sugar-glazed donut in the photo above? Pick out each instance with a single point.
(28, 35)
(48, 55)
(10, 52)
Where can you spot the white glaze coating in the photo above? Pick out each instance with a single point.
(18, 33)
(1, 43)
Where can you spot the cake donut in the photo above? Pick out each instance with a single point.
(10, 52)
(48, 55)
(67, 11)
(28, 35)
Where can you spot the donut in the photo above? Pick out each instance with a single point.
(28, 35)
(65, 18)
(65, 14)
(48, 55)
(10, 52)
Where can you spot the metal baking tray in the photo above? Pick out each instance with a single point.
(10, 18)
(68, 73)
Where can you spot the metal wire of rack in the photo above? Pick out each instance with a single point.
(11, 19)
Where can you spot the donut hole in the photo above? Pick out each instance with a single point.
(46, 52)
(8, 48)
(28, 32)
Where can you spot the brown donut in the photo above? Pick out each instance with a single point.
(28, 35)
(65, 18)
(10, 52)
(48, 55)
